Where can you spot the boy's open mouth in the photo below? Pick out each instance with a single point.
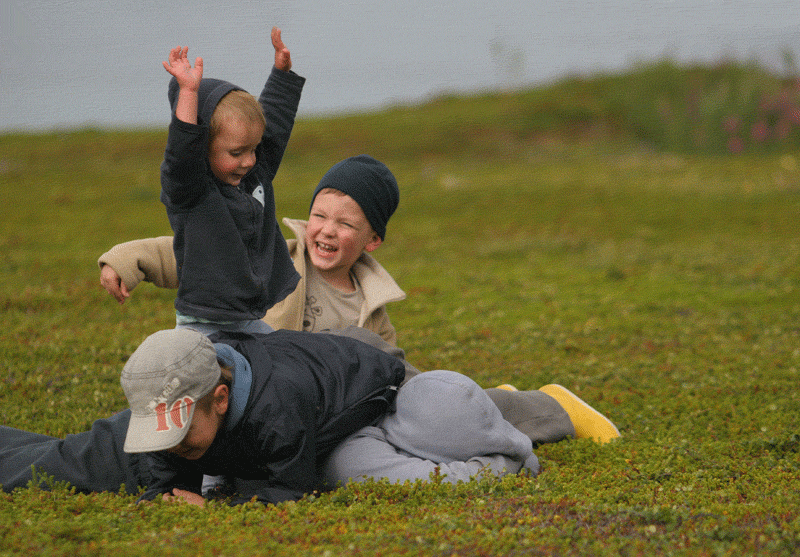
(326, 247)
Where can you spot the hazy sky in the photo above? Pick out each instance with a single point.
(79, 62)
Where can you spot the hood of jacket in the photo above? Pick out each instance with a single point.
(209, 94)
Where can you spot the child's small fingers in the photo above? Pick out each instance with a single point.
(175, 54)
(276, 39)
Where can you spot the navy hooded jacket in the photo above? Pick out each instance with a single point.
(295, 396)
(233, 264)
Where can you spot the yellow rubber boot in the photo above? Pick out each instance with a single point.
(588, 422)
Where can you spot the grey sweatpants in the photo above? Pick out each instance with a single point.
(534, 413)
(444, 424)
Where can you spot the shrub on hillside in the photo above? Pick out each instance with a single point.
(728, 107)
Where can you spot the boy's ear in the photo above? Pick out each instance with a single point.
(221, 398)
(373, 244)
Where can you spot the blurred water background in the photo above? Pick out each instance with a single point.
(75, 63)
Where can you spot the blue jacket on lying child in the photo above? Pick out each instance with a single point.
(269, 418)
(289, 398)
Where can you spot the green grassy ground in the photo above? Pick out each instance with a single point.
(661, 287)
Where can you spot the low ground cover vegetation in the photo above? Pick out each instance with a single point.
(542, 236)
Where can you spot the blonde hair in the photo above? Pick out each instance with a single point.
(236, 105)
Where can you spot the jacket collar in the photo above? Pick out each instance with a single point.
(242, 379)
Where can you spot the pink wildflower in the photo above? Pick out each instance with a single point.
(735, 145)
(731, 124)
(782, 129)
(760, 131)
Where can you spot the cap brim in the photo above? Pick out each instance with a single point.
(153, 432)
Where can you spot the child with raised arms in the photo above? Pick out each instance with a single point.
(223, 150)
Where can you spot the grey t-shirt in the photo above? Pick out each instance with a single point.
(327, 307)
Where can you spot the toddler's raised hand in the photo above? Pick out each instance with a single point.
(283, 58)
(179, 66)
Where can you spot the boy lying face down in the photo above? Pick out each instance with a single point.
(288, 400)
(268, 419)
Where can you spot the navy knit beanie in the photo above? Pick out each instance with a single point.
(370, 183)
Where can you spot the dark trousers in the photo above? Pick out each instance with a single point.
(91, 461)
(534, 413)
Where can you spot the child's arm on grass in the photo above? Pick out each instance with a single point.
(185, 496)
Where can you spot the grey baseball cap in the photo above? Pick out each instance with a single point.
(163, 380)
